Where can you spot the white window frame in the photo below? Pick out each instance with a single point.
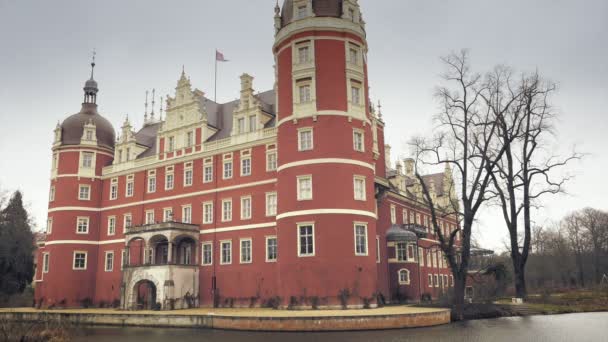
(85, 219)
(226, 214)
(246, 211)
(298, 188)
(377, 249)
(46, 262)
(114, 189)
(361, 134)
(304, 88)
(271, 161)
(151, 182)
(52, 193)
(74, 261)
(430, 279)
(227, 173)
(393, 214)
(299, 236)
(208, 165)
(229, 243)
(187, 213)
(398, 251)
(168, 215)
(148, 212)
(188, 175)
(355, 89)
(421, 256)
(210, 245)
(111, 225)
(276, 252)
(105, 261)
(245, 171)
(170, 175)
(355, 233)
(87, 192)
(301, 141)
(404, 271)
(271, 209)
(91, 162)
(207, 216)
(127, 221)
(241, 241)
(359, 196)
(49, 225)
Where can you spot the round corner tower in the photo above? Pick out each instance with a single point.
(83, 144)
(326, 220)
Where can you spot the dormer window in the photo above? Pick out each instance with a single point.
(171, 145)
(241, 125)
(252, 123)
(128, 154)
(89, 135)
(302, 12)
(189, 139)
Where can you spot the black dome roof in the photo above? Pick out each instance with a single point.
(72, 128)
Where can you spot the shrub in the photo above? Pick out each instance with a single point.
(315, 301)
(86, 303)
(293, 302)
(116, 303)
(343, 296)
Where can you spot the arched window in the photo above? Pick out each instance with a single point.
(404, 276)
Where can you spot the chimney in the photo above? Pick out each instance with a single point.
(409, 167)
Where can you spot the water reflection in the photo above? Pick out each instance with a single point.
(571, 327)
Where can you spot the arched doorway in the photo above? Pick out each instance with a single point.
(145, 295)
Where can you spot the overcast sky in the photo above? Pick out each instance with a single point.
(45, 49)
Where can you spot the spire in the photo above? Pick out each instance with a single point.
(146, 108)
(161, 108)
(90, 86)
(153, 99)
(379, 110)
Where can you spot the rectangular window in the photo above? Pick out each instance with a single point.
(401, 250)
(421, 256)
(128, 222)
(187, 214)
(49, 225)
(87, 159)
(271, 249)
(227, 169)
(353, 56)
(360, 239)
(404, 216)
(252, 123)
(226, 247)
(393, 214)
(171, 145)
(151, 184)
(359, 186)
(114, 189)
(245, 251)
(188, 176)
(207, 256)
(46, 258)
(436, 280)
(207, 173)
(150, 217)
(245, 208)
(207, 212)
(358, 143)
(226, 210)
(123, 258)
(168, 215)
(429, 259)
(80, 260)
(52, 194)
(355, 92)
(271, 204)
(246, 167)
(111, 225)
(303, 54)
(430, 280)
(306, 238)
(271, 161)
(241, 125)
(304, 92)
(304, 188)
(410, 253)
(109, 261)
(84, 192)
(169, 180)
(305, 142)
(82, 226)
(130, 186)
(302, 12)
(189, 139)
(412, 221)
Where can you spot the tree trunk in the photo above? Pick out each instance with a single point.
(459, 289)
(520, 281)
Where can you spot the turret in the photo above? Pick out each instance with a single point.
(325, 179)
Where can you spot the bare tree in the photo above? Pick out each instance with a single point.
(526, 171)
(466, 141)
(595, 224)
(575, 234)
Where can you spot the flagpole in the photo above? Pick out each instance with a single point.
(215, 90)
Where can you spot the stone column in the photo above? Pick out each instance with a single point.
(170, 252)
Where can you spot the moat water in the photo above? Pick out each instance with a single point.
(569, 327)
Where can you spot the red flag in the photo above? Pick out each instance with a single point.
(220, 57)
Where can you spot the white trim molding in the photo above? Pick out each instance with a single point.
(326, 211)
(326, 161)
